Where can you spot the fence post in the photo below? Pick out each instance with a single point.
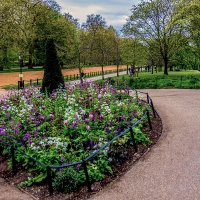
(13, 160)
(136, 93)
(181, 80)
(147, 98)
(149, 120)
(37, 82)
(152, 106)
(49, 179)
(87, 176)
(31, 82)
(133, 139)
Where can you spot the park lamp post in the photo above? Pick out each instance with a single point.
(21, 64)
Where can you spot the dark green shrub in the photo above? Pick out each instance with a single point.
(66, 180)
(53, 78)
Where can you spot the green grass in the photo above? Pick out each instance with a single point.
(25, 69)
(173, 73)
(184, 79)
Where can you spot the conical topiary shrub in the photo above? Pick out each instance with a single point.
(53, 78)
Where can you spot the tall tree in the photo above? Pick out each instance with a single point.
(188, 15)
(152, 20)
(94, 22)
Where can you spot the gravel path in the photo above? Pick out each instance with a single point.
(10, 192)
(171, 170)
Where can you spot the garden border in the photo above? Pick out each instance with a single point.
(84, 161)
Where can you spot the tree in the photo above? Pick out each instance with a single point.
(152, 20)
(188, 16)
(73, 20)
(94, 22)
(53, 78)
(133, 52)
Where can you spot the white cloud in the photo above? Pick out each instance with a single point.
(115, 12)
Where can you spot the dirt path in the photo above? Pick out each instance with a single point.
(9, 192)
(12, 78)
(171, 171)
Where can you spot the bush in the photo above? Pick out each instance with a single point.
(53, 78)
(66, 180)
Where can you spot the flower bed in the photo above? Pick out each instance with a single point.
(68, 126)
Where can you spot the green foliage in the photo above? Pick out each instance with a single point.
(179, 79)
(67, 126)
(140, 137)
(66, 180)
(34, 180)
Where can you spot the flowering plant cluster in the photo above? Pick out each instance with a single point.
(69, 124)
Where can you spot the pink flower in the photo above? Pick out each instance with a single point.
(66, 122)
(99, 96)
(88, 128)
(91, 116)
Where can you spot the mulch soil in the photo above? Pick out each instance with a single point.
(41, 191)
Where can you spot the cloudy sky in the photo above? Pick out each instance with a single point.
(115, 12)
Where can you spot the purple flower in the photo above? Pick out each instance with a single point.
(43, 107)
(101, 116)
(27, 135)
(87, 121)
(36, 133)
(62, 159)
(74, 124)
(2, 131)
(42, 118)
(30, 142)
(78, 167)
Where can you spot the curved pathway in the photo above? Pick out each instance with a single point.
(171, 170)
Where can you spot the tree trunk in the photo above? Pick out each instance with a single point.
(30, 57)
(102, 71)
(1, 66)
(4, 63)
(165, 66)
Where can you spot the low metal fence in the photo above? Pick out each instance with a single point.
(148, 101)
(72, 77)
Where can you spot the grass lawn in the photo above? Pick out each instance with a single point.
(173, 73)
(183, 79)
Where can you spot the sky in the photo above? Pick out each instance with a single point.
(115, 12)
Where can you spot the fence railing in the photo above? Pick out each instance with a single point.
(72, 77)
(146, 99)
